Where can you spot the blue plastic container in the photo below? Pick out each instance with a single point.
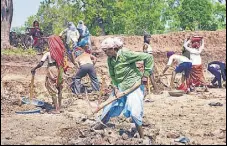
(29, 112)
(33, 102)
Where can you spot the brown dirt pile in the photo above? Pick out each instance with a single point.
(165, 117)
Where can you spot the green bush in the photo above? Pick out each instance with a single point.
(19, 52)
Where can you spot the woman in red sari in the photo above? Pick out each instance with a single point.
(196, 76)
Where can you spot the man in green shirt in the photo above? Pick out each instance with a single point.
(124, 74)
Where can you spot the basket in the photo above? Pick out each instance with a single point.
(176, 93)
(196, 39)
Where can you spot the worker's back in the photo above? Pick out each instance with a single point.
(84, 58)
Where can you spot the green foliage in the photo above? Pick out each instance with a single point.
(219, 15)
(19, 52)
(18, 30)
(197, 15)
(131, 17)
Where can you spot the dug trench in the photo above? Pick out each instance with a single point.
(165, 117)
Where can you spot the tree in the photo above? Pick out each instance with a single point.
(196, 14)
(6, 20)
(219, 14)
(131, 17)
(19, 30)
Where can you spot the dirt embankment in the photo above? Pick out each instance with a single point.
(165, 117)
(214, 40)
(215, 43)
(215, 47)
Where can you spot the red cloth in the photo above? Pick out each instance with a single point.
(57, 49)
(183, 87)
(35, 41)
(195, 45)
(88, 51)
(196, 76)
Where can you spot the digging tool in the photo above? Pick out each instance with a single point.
(110, 100)
(149, 86)
(163, 75)
(159, 79)
(163, 83)
(29, 100)
(86, 86)
(102, 87)
(32, 87)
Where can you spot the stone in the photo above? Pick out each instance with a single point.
(124, 136)
(146, 141)
(172, 135)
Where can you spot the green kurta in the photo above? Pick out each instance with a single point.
(123, 70)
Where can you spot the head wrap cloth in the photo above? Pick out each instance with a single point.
(112, 43)
(169, 53)
(57, 50)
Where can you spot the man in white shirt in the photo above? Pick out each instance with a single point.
(72, 35)
(147, 46)
(148, 49)
(197, 76)
(184, 65)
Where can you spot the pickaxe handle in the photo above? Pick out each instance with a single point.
(163, 75)
(135, 86)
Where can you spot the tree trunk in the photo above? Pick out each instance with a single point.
(6, 20)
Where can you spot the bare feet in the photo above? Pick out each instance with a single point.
(54, 112)
(156, 92)
(98, 126)
(206, 89)
(94, 107)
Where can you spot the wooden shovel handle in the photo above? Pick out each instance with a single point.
(31, 86)
(135, 86)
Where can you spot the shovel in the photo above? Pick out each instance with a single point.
(31, 87)
(111, 100)
(159, 79)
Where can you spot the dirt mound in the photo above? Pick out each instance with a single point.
(214, 40)
(121, 132)
(189, 115)
(215, 47)
(215, 44)
(19, 59)
(165, 117)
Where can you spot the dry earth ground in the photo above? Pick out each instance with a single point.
(165, 117)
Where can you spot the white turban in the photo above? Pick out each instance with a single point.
(81, 25)
(111, 43)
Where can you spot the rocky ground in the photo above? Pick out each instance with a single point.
(166, 118)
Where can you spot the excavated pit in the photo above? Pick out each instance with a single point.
(165, 117)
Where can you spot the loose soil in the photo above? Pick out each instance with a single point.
(165, 117)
